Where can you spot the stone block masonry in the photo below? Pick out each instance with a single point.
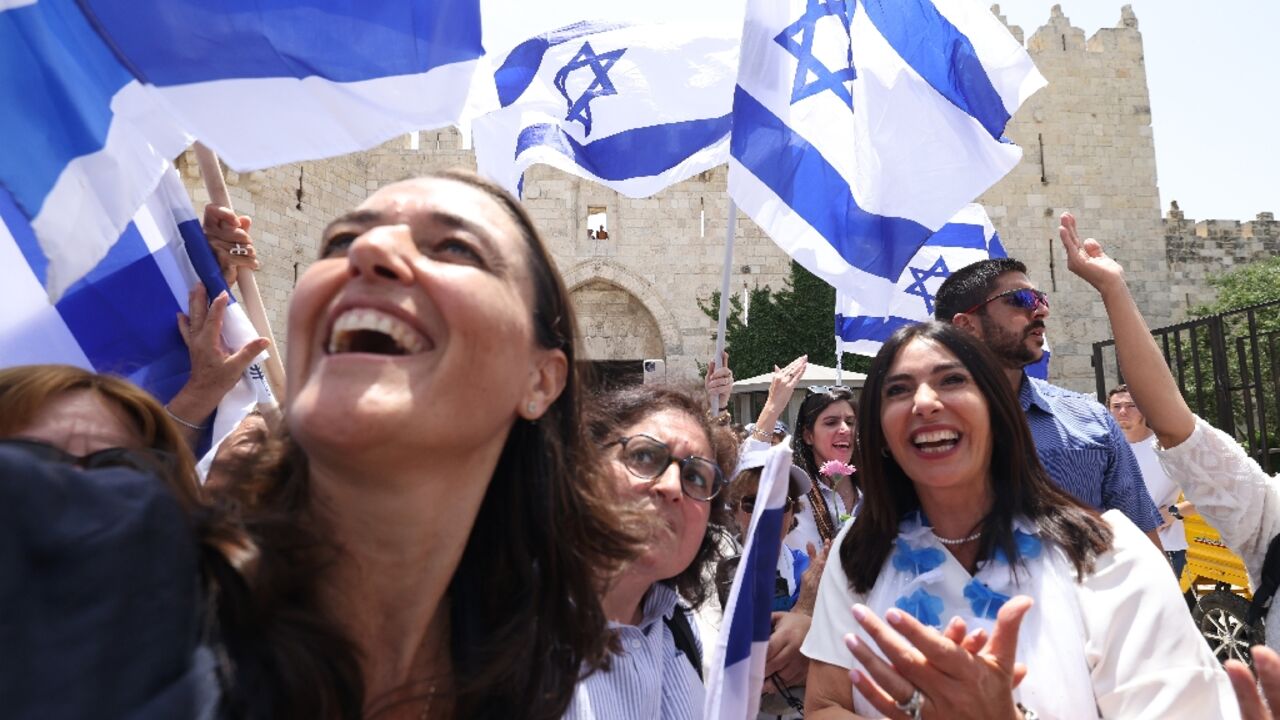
(1088, 147)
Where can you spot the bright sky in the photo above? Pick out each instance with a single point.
(1211, 66)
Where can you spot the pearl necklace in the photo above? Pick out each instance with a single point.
(956, 541)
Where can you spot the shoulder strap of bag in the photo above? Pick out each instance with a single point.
(682, 634)
(1261, 602)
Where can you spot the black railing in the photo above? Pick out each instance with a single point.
(1228, 369)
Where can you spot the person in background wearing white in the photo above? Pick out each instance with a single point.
(1228, 487)
(1164, 492)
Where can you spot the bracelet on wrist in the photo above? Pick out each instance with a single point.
(182, 422)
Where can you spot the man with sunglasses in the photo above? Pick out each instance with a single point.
(1078, 442)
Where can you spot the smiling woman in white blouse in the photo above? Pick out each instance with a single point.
(958, 521)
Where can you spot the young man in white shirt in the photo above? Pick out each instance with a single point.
(1164, 492)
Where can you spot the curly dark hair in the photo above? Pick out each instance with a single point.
(1020, 484)
(613, 410)
(526, 620)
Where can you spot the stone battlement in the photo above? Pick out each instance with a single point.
(1223, 243)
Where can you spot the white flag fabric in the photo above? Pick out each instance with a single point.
(121, 317)
(635, 107)
(861, 128)
(736, 673)
(99, 95)
(968, 238)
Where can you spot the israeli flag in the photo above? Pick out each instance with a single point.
(864, 322)
(968, 238)
(99, 95)
(121, 317)
(861, 128)
(736, 674)
(635, 107)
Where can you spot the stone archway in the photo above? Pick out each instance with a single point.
(614, 324)
(649, 304)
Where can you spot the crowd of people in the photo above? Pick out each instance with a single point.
(443, 523)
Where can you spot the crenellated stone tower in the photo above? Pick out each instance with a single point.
(1088, 147)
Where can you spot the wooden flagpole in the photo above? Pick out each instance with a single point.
(211, 172)
(723, 321)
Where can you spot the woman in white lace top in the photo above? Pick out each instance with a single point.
(1227, 487)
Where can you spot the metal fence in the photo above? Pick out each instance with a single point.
(1228, 369)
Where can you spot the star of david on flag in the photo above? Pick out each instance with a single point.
(968, 238)
(633, 107)
(861, 327)
(799, 39)
(599, 86)
(861, 128)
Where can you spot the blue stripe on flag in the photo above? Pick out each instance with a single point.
(634, 153)
(793, 169)
(869, 328)
(20, 229)
(917, 31)
(57, 78)
(202, 257)
(124, 316)
(959, 235)
(340, 40)
(750, 624)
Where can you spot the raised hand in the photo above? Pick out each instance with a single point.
(719, 382)
(958, 676)
(228, 235)
(811, 577)
(215, 368)
(1087, 259)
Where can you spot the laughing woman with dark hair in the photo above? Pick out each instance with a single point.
(960, 529)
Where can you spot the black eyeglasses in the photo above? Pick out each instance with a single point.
(147, 460)
(647, 458)
(1022, 298)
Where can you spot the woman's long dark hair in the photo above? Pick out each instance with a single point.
(810, 409)
(612, 411)
(525, 601)
(1020, 485)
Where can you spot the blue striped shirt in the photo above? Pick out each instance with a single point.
(649, 679)
(1085, 452)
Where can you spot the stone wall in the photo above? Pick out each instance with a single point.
(1088, 147)
(1197, 251)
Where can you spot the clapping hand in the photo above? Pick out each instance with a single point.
(957, 675)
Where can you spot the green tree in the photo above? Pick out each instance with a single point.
(782, 325)
(1257, 282)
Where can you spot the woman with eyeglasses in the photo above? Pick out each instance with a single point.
(669, 462)
(1074, 614)
(100, 501)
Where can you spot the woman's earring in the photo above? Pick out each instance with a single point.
(884, 451)
(532, 408)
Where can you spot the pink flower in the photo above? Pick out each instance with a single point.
(835, 468)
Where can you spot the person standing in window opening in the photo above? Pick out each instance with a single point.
(602, 234)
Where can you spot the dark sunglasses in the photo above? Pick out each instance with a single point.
(1022, 298)
(647, 458)
(145, 459)
(747, 503)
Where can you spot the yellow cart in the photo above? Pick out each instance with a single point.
(1218, 580)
